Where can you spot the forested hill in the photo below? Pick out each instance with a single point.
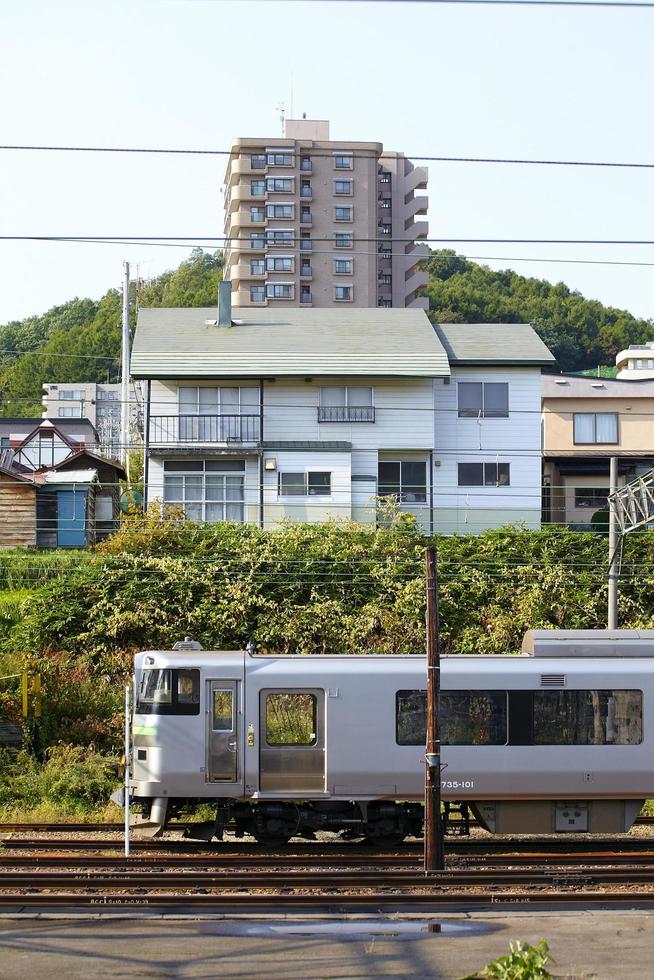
(80, 340)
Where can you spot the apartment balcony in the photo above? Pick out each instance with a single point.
(306, 299)
(244, 219)
(417, 205)
(306, 220)
(205, 430)
(242, 270)
(242, 167)
(416, 229)
(416, 280)
(242, 193)
(416, 179)
(305, 271)
(306, 193)
(346, 413)
(306, 165)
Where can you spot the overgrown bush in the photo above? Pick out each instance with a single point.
(71, 778)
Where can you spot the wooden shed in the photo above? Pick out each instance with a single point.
(17, 510)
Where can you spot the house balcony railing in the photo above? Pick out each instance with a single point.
(346, 413)
(171, 430)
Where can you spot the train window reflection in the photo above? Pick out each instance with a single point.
(290, 719)
(588, 717)
(188, 686)
(223, 710)
(155, 687)
(465, 717)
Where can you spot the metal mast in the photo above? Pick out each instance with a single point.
(124, 374)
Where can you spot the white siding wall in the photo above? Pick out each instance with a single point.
(308, 508)
(515, 440)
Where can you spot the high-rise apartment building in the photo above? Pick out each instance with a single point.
(312, 222)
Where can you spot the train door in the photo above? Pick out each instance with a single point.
(292, 746)
(224, 765)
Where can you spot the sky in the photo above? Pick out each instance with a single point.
(427, 79)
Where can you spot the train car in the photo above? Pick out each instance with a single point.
(554, 740)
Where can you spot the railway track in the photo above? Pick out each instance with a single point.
(108, 827)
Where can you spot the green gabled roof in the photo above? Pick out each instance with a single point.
(515, 344)
(187, 343)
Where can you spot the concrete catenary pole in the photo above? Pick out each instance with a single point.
(124, 374)
(612, 617)
(434, 845)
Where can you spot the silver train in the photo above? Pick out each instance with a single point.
(556, 740)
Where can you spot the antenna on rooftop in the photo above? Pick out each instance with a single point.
(281, 109)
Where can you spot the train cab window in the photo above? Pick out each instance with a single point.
(223, 711)
(155, 687)
(465, 717)
(291, 719)
(587, 717)
(169, 691)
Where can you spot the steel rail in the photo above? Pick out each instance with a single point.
(110, 826)
(210, 862)
(336, 902)
(329, 881)
(454, 846)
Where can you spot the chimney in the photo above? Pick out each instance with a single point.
(224, 304)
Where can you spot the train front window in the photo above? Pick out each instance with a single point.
(587, 717)
(465, 717)
(169, 691)
(155, 687)
(291, 719)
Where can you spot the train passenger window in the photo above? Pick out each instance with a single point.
(223, 711)
(155, 687)
(465, 718)
(290, 719)
(166, 691)
(587, 717)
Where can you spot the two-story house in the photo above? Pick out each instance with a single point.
(257, 415)
(585, 421)
(488, 452)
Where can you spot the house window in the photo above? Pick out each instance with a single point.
(386, 229)
(43, 449)
(208, 414)
(207, 490)
(279, 290)
(384, 178)
(346, 404)
(483, 400)
(305, 216)
(305, 189)
(258, 161)
(406, 480)
(279, 237)
(591, 497)
(257, 188)
(279, 185)
(257, 268)
(70, 412)
(385, 279)
(595, 427)
(343, 187)
(385, 202)
(280, 159)
(279, 211)
(257, 240)
(309, 484)
(257, 214)
(343, 239)
(305, 242)
(280, 263)
(343, 294)
(257, 294)
(343, 266)
(343, 214)
(305, 164)
(484, 474)
(73, 395)
(343, 161)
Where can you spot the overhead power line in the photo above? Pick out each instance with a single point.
(317, 154)
(383, 239)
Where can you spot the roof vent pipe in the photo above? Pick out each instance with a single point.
(224, 304)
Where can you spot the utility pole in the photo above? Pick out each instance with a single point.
(434, 846)
(612, 617)
(124, 374)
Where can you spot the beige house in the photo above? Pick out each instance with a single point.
(317, 223)
(585, 421)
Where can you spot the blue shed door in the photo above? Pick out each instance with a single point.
(71, 518)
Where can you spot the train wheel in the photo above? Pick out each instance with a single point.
(270, 840)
